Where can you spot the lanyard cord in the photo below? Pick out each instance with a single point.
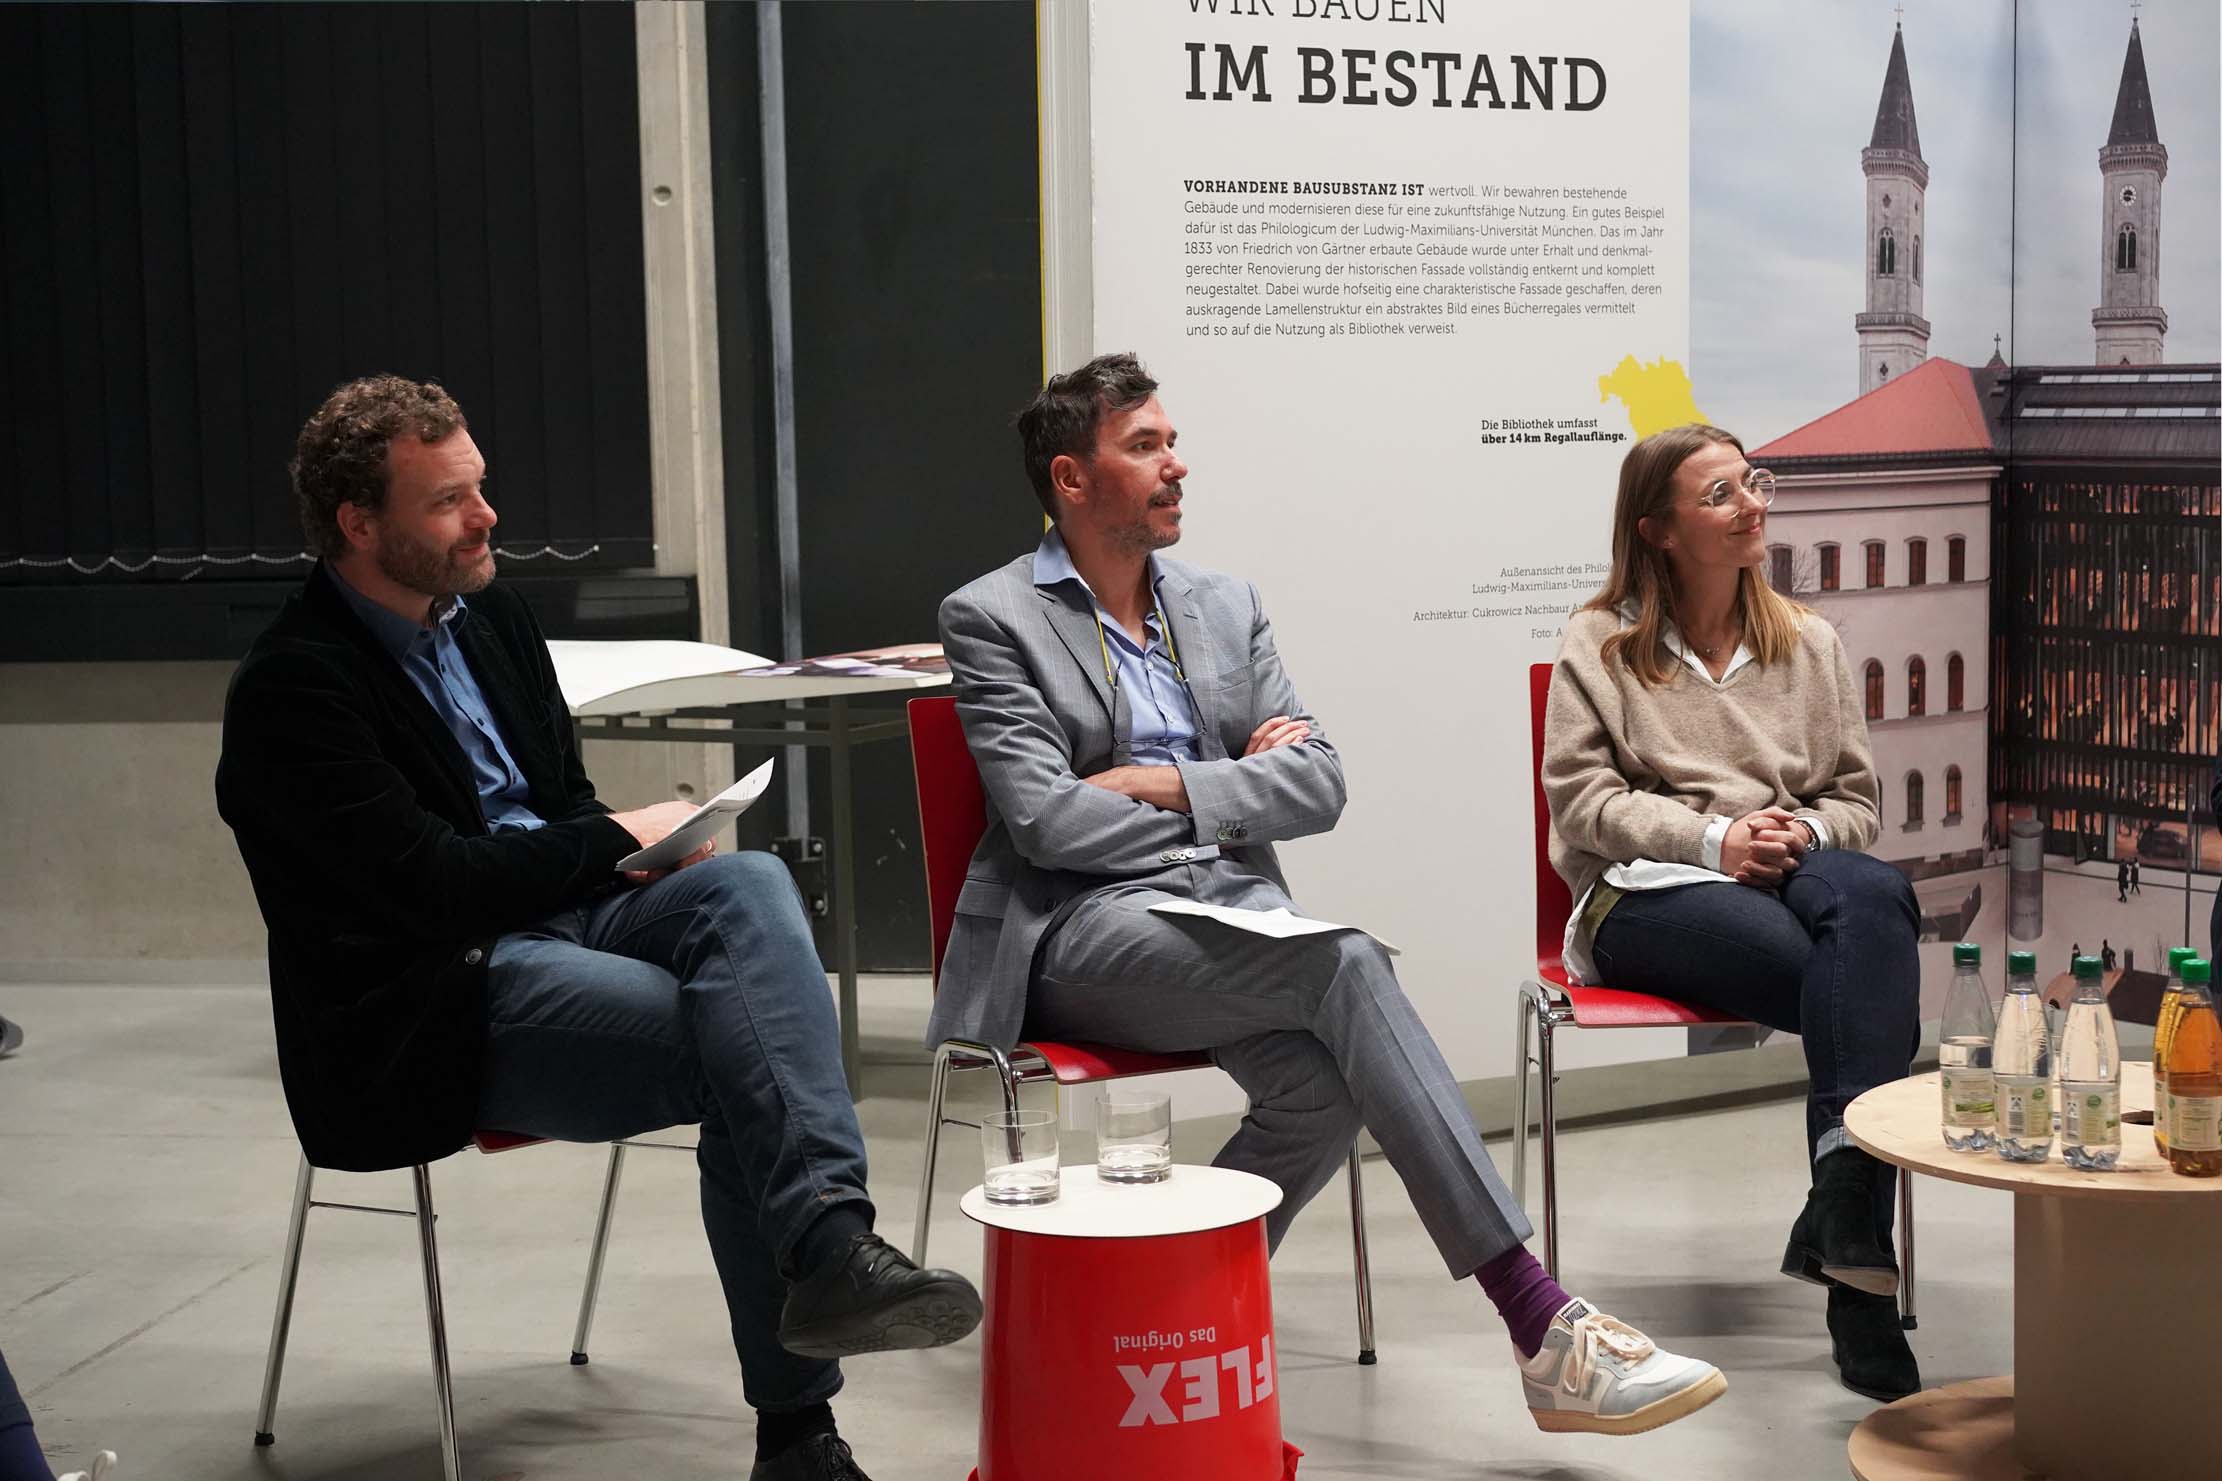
(1164, 630)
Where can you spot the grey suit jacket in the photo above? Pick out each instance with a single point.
(1039, 717)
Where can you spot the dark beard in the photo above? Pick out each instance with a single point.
(435, 574)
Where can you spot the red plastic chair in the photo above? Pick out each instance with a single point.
(952, 814)
(1548, 1003)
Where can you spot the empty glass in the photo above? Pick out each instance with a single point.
(1134, 1135)
(1021, 1152)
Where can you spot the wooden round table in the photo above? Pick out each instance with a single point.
(2117, 1307)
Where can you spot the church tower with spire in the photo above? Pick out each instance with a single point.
(2129, 322)
(1893, 337)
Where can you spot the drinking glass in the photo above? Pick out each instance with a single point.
(1134, 1135)
(1021, 1152)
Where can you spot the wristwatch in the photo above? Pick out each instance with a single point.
(1812, 834)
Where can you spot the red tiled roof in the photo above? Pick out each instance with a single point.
(1932, 408)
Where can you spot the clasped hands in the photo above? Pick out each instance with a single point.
(1161, 786)
(1763, 848)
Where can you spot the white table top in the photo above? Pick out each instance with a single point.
(1191, 1200)
(657, 676)
(1899, 1122)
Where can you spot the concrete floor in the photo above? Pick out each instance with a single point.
(146, 1162)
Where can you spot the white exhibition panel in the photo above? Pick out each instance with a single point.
(1413, 559)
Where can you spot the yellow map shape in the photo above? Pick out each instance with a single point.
(1658, 395)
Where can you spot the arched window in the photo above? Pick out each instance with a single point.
(1913, 799)
(1917, 687)
(1874, 549)
(1955, 558)
(1874, 677)
(1778, 568)
(1886, 254)
(1832, 568)
(1917, 257)
(1917, 562)
(1951, 794)
(2125, 250)
(1955, 685)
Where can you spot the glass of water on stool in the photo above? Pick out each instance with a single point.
(1134, 1135)
(1021, 1152)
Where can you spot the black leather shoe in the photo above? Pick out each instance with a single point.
(1838, 1238)
(871, 1299)
(1869, 1346)
(821, 1457)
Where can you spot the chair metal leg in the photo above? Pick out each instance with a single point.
(436, 1320)
(934, 1123)
(1361, 1263)
(281, 1326)
(1525, 1009)
(1008, 1076)
(1546, 1072)
(1909, 1320)
(602, 1221)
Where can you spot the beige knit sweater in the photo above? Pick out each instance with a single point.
(1633, 772)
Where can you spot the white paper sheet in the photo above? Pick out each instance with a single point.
(592, 672)
(704, 822)
(1277, 923)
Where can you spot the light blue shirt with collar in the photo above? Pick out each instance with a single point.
(434, 662)
(1161, 713)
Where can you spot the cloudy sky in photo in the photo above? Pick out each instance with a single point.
(1783, 100)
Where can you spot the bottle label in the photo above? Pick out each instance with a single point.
(2195, 1122)
(1970, 1097)
(2091, 1115)
(2024, 1110)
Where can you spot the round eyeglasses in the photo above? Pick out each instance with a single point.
(1758, 482)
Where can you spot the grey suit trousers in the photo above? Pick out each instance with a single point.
(1315, 1030)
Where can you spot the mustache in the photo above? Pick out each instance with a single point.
(1170, 494)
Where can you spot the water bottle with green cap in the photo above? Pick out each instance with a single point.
(2090, 1076)
(2022, 1062)
(1964, 1056)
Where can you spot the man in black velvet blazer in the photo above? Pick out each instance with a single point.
(451, 945)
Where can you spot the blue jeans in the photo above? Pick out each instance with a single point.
(1830, 957)
(697, 998)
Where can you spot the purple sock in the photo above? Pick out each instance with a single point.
(1524, 1295)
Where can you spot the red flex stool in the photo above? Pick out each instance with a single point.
(1129, 1332)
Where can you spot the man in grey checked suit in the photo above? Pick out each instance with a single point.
(1139, 741)
(1054, 936)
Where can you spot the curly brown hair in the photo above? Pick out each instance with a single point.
(340, 456)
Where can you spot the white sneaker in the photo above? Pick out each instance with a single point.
(1597, 1375)
(103, 1463)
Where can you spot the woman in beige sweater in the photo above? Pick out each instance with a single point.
(1711, 789)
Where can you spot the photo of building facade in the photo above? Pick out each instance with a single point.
(2024, 562)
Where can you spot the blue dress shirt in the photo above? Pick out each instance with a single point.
(434, 663)
(1161, 713)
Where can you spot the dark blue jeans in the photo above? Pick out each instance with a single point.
(1830, 957)
(697, 998)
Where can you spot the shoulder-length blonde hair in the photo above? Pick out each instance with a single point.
(1642, 579)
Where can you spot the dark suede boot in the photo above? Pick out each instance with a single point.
(1841, 1236)
(1872, 1357)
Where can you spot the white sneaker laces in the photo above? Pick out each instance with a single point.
(1615, 1337)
